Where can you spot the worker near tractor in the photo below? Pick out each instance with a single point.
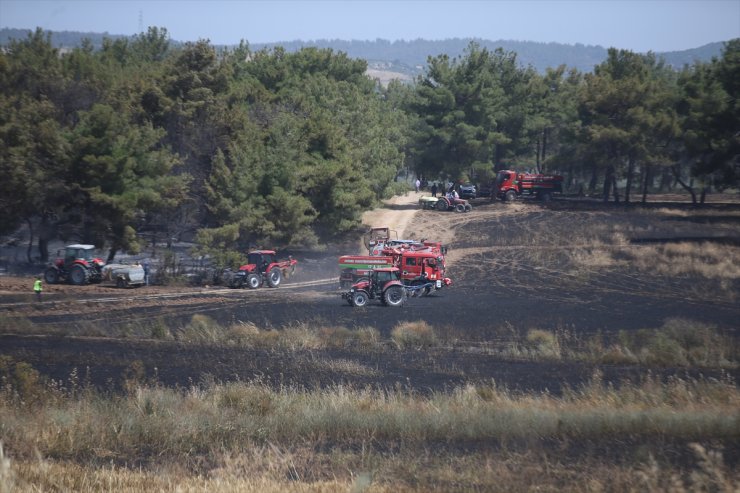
(434, 189)
(37, 288)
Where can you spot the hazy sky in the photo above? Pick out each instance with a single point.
(639, 25)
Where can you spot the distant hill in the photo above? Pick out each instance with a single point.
(408, 58)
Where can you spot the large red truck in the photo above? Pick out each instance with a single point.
(511, 184)
(422, 270)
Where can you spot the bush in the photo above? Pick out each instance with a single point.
(202, 329)
(544, 343)
(413, 334)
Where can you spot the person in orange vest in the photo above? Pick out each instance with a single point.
(37, 288)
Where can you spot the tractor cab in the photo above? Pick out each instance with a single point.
(262, 259)
(380, 277)
(76, 253)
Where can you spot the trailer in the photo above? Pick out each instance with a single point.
(124, 275)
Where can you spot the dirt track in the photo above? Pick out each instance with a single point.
(513, 269)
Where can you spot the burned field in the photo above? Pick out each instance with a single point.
(585, 273)
(581, 347)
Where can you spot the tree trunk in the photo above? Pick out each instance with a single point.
(544, 144)
(630, 173)
(30, 241)
(646, 182)
(689, 189)
(594, 180)
(615, 191)
(703, 195)
(608, 182)
(111, 255)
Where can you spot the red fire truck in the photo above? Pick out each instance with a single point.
(511, 184)
(424, 270)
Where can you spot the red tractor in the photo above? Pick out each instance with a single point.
(383, 284)
(262, 265)
(509, 185)
(450, 203)
(75, 264)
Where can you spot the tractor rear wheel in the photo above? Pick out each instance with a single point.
(359, 299)
(274, 277)
(79, 275)
(51, 275)
(254, 280)
(394, 296)
(442, 204)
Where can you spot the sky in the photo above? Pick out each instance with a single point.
(637, 25)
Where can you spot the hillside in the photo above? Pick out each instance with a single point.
(409, 58)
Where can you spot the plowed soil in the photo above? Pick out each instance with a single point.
(577, 267)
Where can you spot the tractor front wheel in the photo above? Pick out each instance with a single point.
(359, 299)
(394, 296)
(79, 275)
(460, 208)
(51, 275)
(274, 277)
(468, 207)
(254, 281)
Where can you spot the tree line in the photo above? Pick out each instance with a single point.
(142, 141)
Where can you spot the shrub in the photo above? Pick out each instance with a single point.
(544, 343)
(202, 329)
(413, 334)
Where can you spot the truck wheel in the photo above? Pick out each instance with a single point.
(468, 207)
(359, 299)
(510, 196)
(79, 275)
(274, 277)
(546, 197)
(441, 205)
(394, 296)
(254, 281)
(51, 276)
(460, 208)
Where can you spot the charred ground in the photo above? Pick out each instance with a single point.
(575, 267)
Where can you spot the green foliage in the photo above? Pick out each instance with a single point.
(137, 136)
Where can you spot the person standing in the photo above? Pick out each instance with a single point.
(417, 184)
(434, 189)
(37, 288)
(145, 265)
